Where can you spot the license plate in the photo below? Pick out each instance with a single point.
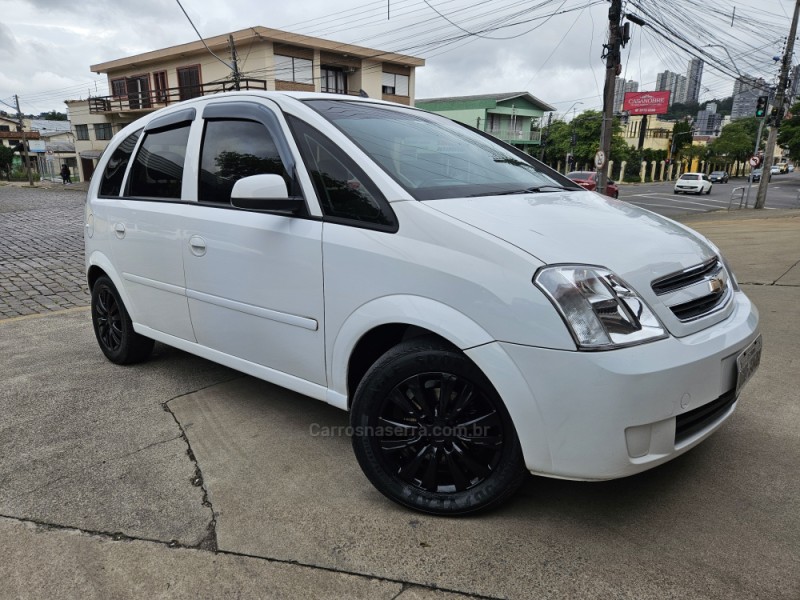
(747, 362)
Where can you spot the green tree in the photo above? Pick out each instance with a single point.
(52, 115)
(6, 158)
(736, 142)
(789, 133)
(586, 129)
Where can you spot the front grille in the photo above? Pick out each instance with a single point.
(699, 306)
(694, 292)
(694, 421)
(685, 278)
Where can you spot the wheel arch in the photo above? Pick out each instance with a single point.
(380, 324)
(99, 265)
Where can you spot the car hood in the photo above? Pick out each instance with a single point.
(587, 228)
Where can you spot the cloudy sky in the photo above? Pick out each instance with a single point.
(550, 48)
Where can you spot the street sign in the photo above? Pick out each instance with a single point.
(755, 161)
(599, 159)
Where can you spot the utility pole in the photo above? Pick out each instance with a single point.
(235, 62)
(543, 139)
(761, 197)
(612, 57)
(25, 144)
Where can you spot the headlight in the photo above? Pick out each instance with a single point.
(600, 309)
(731, 276)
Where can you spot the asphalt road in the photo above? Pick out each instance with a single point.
(782, 193)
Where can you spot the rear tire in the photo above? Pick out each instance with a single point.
(113, 327)
(431, 433)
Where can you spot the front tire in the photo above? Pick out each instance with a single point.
(431, 433)
(113, 327)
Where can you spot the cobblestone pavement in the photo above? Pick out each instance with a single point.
(41, 250)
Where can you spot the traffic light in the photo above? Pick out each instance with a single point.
(761, 106)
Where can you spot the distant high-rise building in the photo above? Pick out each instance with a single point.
(708, 122)
(745, 96)
(673, 83)
(694, 75)
(794, 84)
(621, 87)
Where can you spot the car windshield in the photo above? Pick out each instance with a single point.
(435, 158)
(690, 176)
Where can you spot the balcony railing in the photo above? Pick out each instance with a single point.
(152, 99)
(509, 135)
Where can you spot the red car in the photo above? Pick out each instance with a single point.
(588, 180)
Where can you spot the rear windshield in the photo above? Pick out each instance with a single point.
(690, 176)
(433, 157)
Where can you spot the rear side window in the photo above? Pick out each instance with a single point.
(345, 192)
(111, 183)
(157, 171)
(233, 149)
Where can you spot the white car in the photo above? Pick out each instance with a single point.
(480, 316)
(692, 183)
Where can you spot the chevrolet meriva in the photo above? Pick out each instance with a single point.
(481, 316)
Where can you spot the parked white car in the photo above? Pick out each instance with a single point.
(693, 183)
(479, 315)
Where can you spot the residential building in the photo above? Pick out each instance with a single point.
(694, 78)
(621, 87)
(55, 148)
(10, 137)
(513, 117)
(708, 122)
(673, 83)
(745, 96)
(657, 136)
(268, 59)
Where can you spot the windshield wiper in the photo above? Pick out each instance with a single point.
(534, 189)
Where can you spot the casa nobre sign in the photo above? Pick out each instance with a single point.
(646, 103)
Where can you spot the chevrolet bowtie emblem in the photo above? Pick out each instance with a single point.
(716, 284)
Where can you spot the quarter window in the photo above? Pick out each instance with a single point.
(111, 184)
(157, 171)
(233, 149)
(344, 190)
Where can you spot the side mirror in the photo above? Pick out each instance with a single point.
(264, 192)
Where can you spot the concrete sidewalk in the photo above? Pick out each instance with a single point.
(180, 478)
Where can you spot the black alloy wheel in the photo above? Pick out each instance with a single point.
(113, 327)
(431, 433)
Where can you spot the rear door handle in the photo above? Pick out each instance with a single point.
(197, 245)
(119, 230)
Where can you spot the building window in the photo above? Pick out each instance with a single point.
(395, 85)
(289, 68)
(82, 132)
(160, 86)
(102, 131)
(118, 88)
(189, 82)
(5, 128)
(334, 81)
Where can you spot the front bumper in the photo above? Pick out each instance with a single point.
(603, 415)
